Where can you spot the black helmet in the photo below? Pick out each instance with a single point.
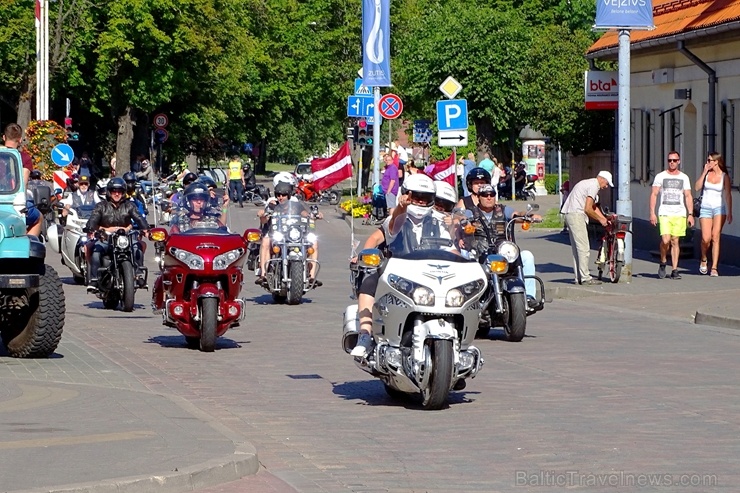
(246, 166)
(188, 179)
(116, 184)
(129, 177)
(35, 175)
(195, 191)
(477, 174)
(283, 188)
(207, 181)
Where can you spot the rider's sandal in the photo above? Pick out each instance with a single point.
(703, 266)
(316, 283)
(714, 273)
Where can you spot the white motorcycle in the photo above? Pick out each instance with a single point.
(70, 241)
(425, 316)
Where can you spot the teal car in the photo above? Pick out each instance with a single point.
(32, 304)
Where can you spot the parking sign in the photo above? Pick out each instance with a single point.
(452, 114)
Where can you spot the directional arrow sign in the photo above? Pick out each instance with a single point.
(62, 154)
(453, 138)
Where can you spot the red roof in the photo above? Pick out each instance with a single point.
(675, 17)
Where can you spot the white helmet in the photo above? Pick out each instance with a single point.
(445, 191)
(284, 177)
(421, 188)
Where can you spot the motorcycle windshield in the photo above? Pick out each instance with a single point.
(434, 236)
(205, 223)
(290, 214)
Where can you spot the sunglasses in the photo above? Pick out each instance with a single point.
(673, 160)
(487, 194)
(281, 195)
(84, 184)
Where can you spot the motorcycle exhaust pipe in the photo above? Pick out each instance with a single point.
(351, 327)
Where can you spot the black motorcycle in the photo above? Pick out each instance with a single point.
(525, 189)
(120, 275)
(506, 304)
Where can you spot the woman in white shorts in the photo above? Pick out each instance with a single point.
(716, 208)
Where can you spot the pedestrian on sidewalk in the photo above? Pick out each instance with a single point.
(578, 208)
(716, 208)
(675, 206)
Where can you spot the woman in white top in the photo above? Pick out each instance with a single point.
(716, 207)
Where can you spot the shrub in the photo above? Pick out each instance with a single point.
(551, 183)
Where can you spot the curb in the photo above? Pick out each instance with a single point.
(204, 475)
(560, 292)
(716, 321)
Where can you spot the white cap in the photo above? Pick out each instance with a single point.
(607, 176)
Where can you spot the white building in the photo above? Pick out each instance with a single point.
(685, 96)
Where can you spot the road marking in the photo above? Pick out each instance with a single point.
(33, 397)
(77, 440)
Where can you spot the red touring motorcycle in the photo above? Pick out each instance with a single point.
(200, 282)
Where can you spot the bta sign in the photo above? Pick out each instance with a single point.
(602, 90)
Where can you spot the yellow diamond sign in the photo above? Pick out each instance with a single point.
(450, 87)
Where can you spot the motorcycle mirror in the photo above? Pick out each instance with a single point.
(533, 207)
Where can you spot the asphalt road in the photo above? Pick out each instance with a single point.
(596, 397)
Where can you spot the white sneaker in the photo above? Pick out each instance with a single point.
(364, 345)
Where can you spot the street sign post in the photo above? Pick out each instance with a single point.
(161, 120)
(452, 138)
(62, 155)
(361, 107)
(391, 106)
(452, 114)
(361, 90)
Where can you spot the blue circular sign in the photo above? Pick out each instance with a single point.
(62, 155)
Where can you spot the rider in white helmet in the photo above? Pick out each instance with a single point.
(445, 198)
(415, 207)
(284, 177)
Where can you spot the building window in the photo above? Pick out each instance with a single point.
(641, 130)
(728, 137)
(670, 131)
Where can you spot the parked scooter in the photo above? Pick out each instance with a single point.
(425, 316)
(70, 240)
(198, 289)
(292, 239)
(505, 304)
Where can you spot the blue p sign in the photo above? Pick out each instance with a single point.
(452, 114)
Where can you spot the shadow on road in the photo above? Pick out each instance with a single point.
(178, 341)
(373, 393)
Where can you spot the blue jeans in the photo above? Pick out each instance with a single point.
(530, 285)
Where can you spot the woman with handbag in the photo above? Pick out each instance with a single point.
(716, 208)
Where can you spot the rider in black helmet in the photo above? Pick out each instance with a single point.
(474, 180)
(111, 215)
(133, 193)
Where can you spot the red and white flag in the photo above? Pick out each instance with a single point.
(444, 170)
(331, 170)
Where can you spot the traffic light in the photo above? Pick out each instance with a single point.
(361, 133)
(369, 138)
(352, 133)
(73, 136)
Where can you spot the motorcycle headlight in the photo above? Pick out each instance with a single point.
(457, 297)
(278, 236)
(192, 260)
(509, 250)
(294, 234)
(122, 242)
(420, 294)
(311, 237)
(224, 260)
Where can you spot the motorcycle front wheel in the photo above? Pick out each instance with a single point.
(127, 272)
(295, 272)
(208, 320)
(516, 325)
(435, 396)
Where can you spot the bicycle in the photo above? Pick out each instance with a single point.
(611, 251)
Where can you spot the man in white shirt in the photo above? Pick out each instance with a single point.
(580, 206)
(675, 206)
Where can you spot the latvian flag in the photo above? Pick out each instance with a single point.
(330, 171)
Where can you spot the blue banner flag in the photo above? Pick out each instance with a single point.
(376, 43)
(627, 14)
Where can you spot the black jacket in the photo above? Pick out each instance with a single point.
(106, 214)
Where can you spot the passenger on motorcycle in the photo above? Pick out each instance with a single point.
(111, 215)
(497, 217)
(197, 209)
(409, 220)
(219, 203)
(82, 196)
(133, 193)
(178, 198)
(475, 178)
(250, 181)
(283, 193)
